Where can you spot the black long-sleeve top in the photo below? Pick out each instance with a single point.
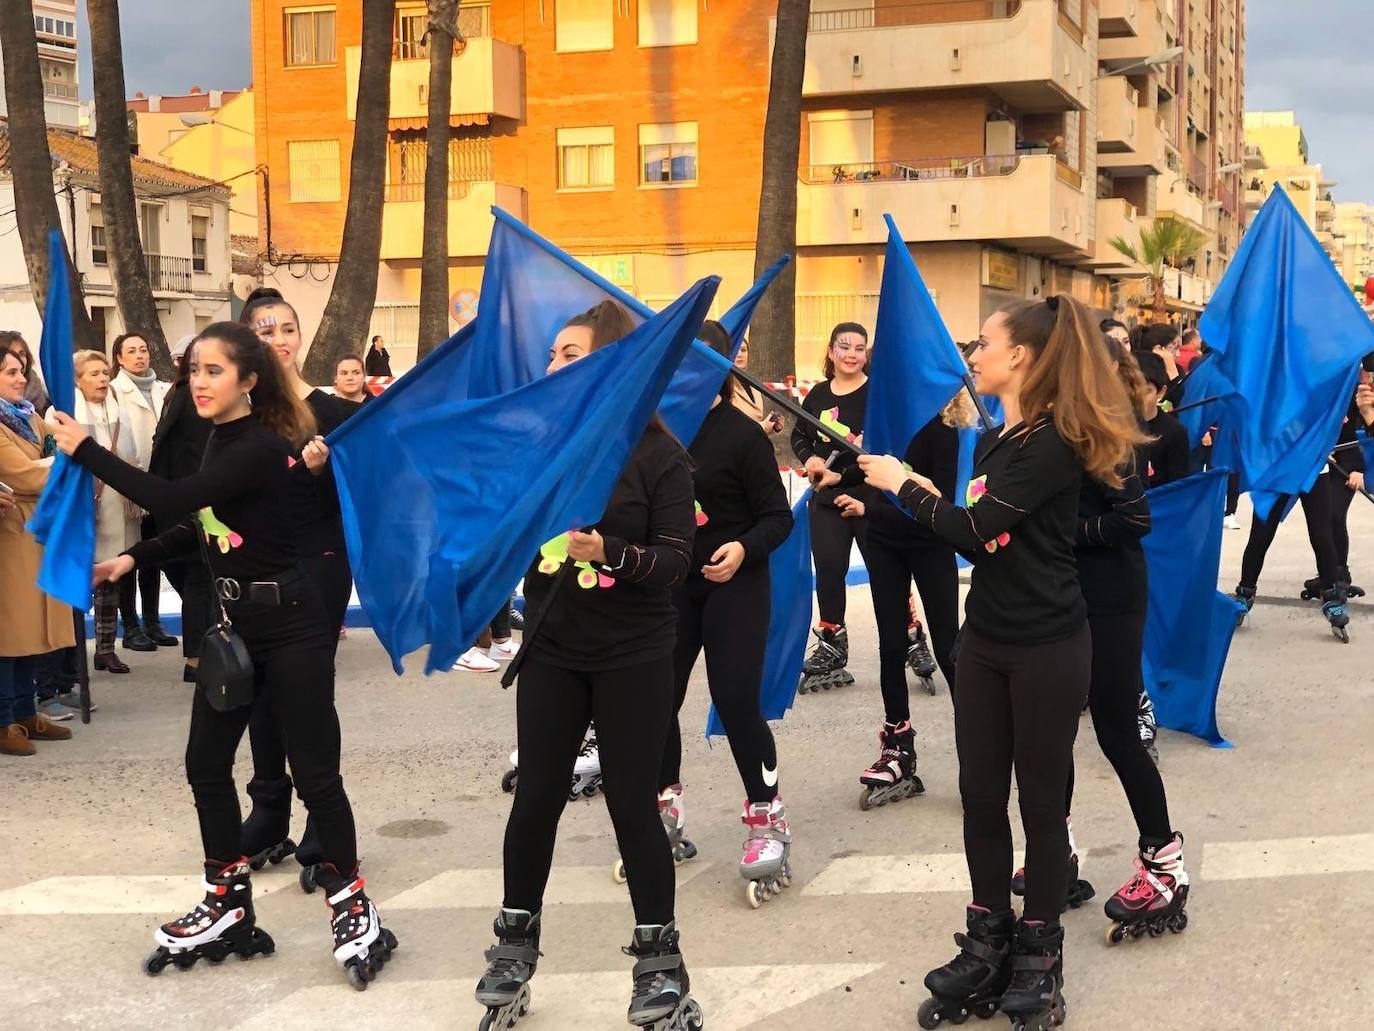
(621, 614)
(934, 453)
(739, 495)
(1168, 457)
(240, 499)
(1352, 458)
(846, 413)
(315, 515)
(1111, 562)
(1019, 531)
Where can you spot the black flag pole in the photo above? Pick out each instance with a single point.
(795, 409)
(1331, 461)
(1195, 404)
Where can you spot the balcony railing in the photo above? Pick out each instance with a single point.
(1197, 172)
(59, 90)
(929, 12)
(912, 169)
(457, 190)
(473, 23)
(168, 274)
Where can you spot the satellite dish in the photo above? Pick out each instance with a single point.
(244, 285)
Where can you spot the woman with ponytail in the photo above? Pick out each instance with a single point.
(1025, 658)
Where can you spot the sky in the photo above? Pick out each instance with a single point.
(1318, 63)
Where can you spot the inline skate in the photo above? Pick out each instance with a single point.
(674, 817)
(505, 988)
(1077, 890)
(893, 777)
(918, 656)
(267, 831)
(1334, 609)
(361, 944)
(661, 999)
(1034, 998)
(511, 776)
(766, 864)
(1245, 595)
(311, 857)
(1312, 590)
(1153, 900)
(974, 980)
(1148, 727)
(222, 924)
(586, 780)
(825, 666)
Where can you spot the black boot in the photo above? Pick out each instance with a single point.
(160, 637)
(135, 640)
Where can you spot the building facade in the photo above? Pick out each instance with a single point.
(54, 23)
(1355, 235)
(630, 131)
(1278, 148)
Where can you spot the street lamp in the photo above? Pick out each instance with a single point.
(1157, 62)
(1228, 169)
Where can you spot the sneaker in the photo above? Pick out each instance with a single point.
(72, 701)
(503, 651)
(474, 661)
(55, 711)
(1231, 523)
(517, 618)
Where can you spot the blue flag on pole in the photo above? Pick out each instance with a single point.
(789, 622)
(1190, 623)
(1289, 335)
(437, 543)
(1366, 449)
(530, 288)
(916, 366)
(1205, 382)
(64, 521)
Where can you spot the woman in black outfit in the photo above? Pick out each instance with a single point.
(1025, 658)
(241, 501)
(839, 402)
(900, 551)
(603, 653)
(723, 608)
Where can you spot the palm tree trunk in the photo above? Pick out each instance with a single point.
(1161, 301)
(35, 207)
(441, 35)
(772, 338)
(128, 267)
(348, 313)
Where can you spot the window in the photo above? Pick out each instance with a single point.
(150, 226)
(668, 153)
(313, 170)
(200, 233)
(667, 23)
(586, 158)
(411, 23)
(840, 137)
(310, 36)
(583, 25)
(98, 254)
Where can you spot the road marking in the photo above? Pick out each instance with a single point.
(731, 998)
(56, 896)
(483, 888)
(1286, 857)
(893, 875)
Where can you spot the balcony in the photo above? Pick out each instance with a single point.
(1018, 49)
(469, 217)
(1119, 17)
(168, 275)
(1117, 114)
(1254, 157)
(1033, 202)
(60, 90)
(486, 81)
(1116, 217)
(1148, 153)
(1176, 200)
(1154, 29)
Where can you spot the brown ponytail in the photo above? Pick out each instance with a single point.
(1073, 381)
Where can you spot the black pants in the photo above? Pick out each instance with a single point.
(891, 571)
(832, 538)
(1326, 508)
(729, 621)
(148, 581)
(294, 658)
(191, 580)
(1017, 706)
(553, 707)
(1113, 698)
(1317, 510)
(1262, 532)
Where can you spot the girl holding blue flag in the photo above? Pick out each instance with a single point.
(1025, 658)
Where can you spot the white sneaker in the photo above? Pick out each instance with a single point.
(503, 651)
(1231, 523)
(473, 661)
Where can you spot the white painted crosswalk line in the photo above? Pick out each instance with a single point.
(895, 875)
(483, 888)
(732, 998)
(55, 896)
(1285, 857)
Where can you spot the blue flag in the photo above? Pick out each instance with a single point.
(1190, 623)
(1366, 449)
(436, 541)
(64, 521)
(1289, 335)
(530, 288)
(1205, 382)
(916, 367)
(789, 622)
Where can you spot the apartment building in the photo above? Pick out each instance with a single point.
(1277, 147)
(630, 131)
(54, 22)
(1354, 231)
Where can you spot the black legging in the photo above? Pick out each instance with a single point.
(1316, 507)
(294, 657)
(1262, 533)
(191, 580)
(1326, 508)
(553, 707)
(148, 580)
(730, 621)
(1018, 705)
(1113, 698)
(832, 538)
(890, 574)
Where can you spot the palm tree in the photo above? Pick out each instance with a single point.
(772, 346)
(348, 313)
(35, 206)
(1166, 243)
(128, 265)
(440, 38)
